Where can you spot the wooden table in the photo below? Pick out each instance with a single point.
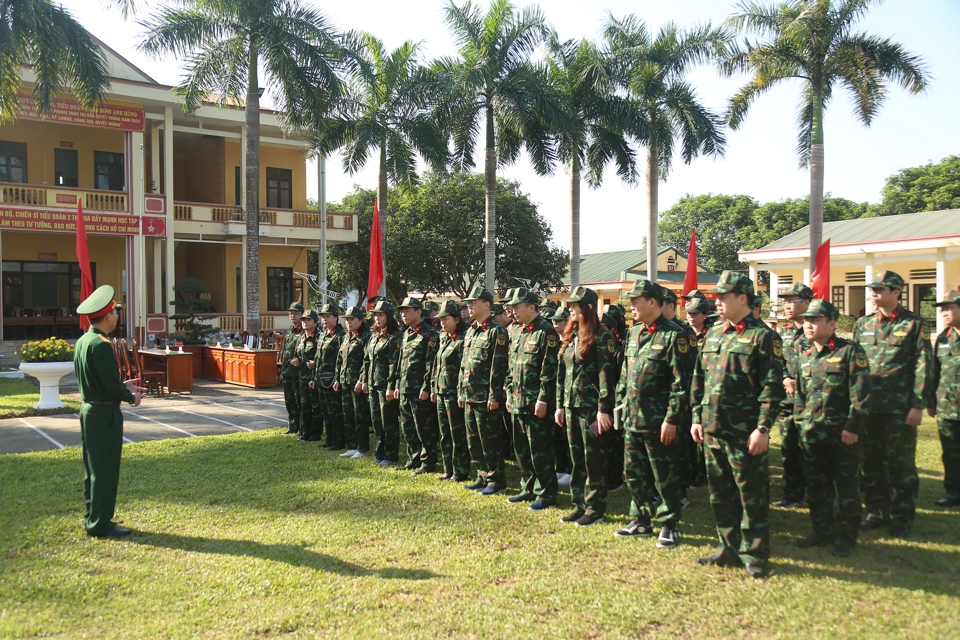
(36, 322)
(177, 366)
(249, 368)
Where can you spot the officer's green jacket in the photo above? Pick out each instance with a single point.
(738, 377)
(95, 365)
(589, 383)
(307, 351)
(532, 369)
(350, 358)
(898, 350)
(794, 343)
(654, 376)
(833, 391)
(380, 359)
(483, 369)
(328, 352)
(418, 349)
(945, 378)
(446, 366)
(290, 343)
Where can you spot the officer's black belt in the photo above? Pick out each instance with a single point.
(109, 403)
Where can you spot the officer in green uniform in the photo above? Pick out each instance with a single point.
(288, 373)
(311, 418)
(328, 350)
(831, 395)
(446, 374)
(380, 360)
(480, 391)
(944, 402)
(735, 396)
(897, 343)
(411, 386)
(531, 399)
(356, 406)
(101, 421)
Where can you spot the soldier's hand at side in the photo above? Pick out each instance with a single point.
(366, 388)
(932, 412)
(558, 417)
(668, 433)
(848, 438)
(696, 432)
(460, 403)
(604, 422)
(309, 364)
(336, 386)
(137, 399)
(790, 385)
(758, 443)
(492, 405)
(540, 409)
(424, 395)
(433, 398)
(295, 362)
(312, 384)
(358, 388)
(914, 418)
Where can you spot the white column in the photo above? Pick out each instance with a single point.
(154, 156)
(168, 263)
(753, 276)
(868, 275)
(774, 300)
(941, 283)
(136, 268)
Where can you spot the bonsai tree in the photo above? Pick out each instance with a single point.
(189, 305)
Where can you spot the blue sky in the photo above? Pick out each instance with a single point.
(760, 159)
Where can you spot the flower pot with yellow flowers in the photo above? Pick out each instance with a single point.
(47, 361)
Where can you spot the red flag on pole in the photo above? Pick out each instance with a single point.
(83, 257)
(820, 280)
(376, 254)
(690, 279)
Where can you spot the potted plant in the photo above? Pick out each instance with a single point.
(47, 361)
(190, 302)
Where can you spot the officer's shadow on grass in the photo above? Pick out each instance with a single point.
(291, 554)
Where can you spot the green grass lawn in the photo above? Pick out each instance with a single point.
(256, 534)
(17, 398)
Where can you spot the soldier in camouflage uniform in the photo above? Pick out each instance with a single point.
(559, 317)
(288, 372)
(700, 317)
(735, 395)
(613, 320)
(430, 311)
(795, 301)
(356, 406)
(944, 401)
(480, 392)
(832, 391)
(328, 350)
(897, 343)
(311, 418)
(380, 359)
(446, 374)
(585, 399)
(502, 312)
(531, 399)
(654, 390)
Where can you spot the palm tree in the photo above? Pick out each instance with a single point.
(494, 85)
(225, 44)
(654, 72)
(63, 55)
(813, 41)
(387, 111)
(598, 117)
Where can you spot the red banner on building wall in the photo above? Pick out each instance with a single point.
(66, 222)
(66, 111)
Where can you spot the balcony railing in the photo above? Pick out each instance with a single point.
(204, 212)
(31, 195)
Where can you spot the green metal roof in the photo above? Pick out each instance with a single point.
(928, 224)
(607, 267)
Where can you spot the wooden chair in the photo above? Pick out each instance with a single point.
(18, 312)
(119, 358)
(148, 378)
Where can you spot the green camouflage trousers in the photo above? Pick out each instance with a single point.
(561, 445)
(794, 485)
(453, 435)
(890, 462)
(418, 421)
(588, 482)
(533, 446)
(356, 420)
(291, 399)
(311, 417)
(739, 493)
(949, 431)
(615, 452)
(833, 469)
(386, 425)
(331, 407)
(485, 440)
(645, 456)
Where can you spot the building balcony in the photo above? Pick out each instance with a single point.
(47, 197)
(196, 218)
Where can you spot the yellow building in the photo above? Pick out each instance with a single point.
(162, 196)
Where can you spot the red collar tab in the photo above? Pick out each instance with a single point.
(483, 325)
(652, 327)
(530, 328)
(741, 326)
(417, 329)
(356, 334)
(332, 332)
(892, 317)
(832, 345)
(703, 331)
(453, 336)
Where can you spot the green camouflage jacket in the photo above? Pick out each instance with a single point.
(350, 358)
(380, 359)
(654, 378)
(307, 351)
(483, 369)
(532, 371)
(590, 383)
(833, 391)
(899, 353)
(794, 343)
(290, 343)
(739, 374)
(446, 367)
(946, 375)
(328, 352)
(418, 348)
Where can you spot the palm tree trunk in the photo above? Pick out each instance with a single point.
(574, 221)
(653, 219)
(490, 171)
(382, 201)
(816, 179)
(252, 211)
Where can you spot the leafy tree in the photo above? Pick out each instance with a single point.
(721, 222)
(931, 187)
(773, 220)
(190, 303)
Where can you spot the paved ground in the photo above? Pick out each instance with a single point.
(212, 409)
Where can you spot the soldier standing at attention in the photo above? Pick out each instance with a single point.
(411, 386)
(585, 399)
(480, 392)
(328, 350)
(380, 360)
(559, 318)
(700, 318)
(832, 391)
(945, 400)
(431, 309)
(356, 407)
(446, 375)
(735, 396)
(288, 371)
(898, 349)
(503, 313)
(614, 320)
(101, 421)
(311, 418)
(653, 386)
(531, 399)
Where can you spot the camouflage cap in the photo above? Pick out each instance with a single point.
(698, 305)
(524, 295)
(560, 314)
(615, 309)
(310, 315)
(507, 296)
(950, 297)
(296, 306)
(449, 308)
(479, 293)
(889, 279)
(411, 303)
(647, 289)
(732, 282)
(799, 290)
(548, 303)
(669, 296)
(431, 305)
(355, 312)
(757, 303)
(608, 320)
(695, 293)
(547, 313)
(330, 309)
(821, 309)
(384, 306)
(496, 309)
(583, 294)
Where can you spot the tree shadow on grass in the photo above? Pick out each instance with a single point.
(291, 554)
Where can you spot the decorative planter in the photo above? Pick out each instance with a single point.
(49, 374)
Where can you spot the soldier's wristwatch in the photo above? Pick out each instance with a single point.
(763, 429)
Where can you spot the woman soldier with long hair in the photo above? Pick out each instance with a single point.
(446, 374)
(381, 355)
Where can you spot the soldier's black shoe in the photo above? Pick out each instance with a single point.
(787, 503)
(720, 560)
(460, 477)
(446, 476)
(668, 538)
(492, 490)
(869, 524)
(306, 439)
(476, 485)
(808, 542)
(948, 502)
(540, 504)
(290, 431)
(409, 466)
(842, 550)
(588, 519)
(636, 529)
(899, 529)
(325, 445)
(112, 531)
(573, 516)
(756, 570)
(522, 497)
(427, 468)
